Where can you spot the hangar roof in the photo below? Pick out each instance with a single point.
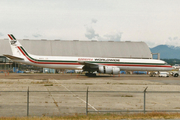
(125, 49)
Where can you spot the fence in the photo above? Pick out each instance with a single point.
(35, 103)
(144, 101)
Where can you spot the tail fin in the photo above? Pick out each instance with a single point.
(14, 46)
(13, 40)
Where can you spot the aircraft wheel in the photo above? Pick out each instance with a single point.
(176, 75)
(90, 74)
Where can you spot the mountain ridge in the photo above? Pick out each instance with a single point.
(167, 51)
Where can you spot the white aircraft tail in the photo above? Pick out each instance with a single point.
(16, 47)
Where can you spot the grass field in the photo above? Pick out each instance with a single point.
(103, 117)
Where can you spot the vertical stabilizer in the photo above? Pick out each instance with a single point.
(14, 46)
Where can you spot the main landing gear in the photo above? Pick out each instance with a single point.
(90, 74)
(152, 74)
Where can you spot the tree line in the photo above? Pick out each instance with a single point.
(172, 61)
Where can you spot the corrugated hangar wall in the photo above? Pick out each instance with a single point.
(82, 48)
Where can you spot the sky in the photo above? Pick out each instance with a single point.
(154, 22)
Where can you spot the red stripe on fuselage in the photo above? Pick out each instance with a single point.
(44, 62)
(132, 65)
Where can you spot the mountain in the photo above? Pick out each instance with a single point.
(167, 52)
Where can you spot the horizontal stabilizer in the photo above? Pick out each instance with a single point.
(13, 57)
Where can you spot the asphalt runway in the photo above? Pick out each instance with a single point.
(53, 94)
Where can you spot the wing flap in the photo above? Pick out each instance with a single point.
(87, 63)
(89, 66)
(13, 57)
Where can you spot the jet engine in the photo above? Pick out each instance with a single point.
(109, 70)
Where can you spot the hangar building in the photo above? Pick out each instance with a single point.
(122, 49)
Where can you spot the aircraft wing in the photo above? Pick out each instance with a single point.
(89, 66)
(13, 57)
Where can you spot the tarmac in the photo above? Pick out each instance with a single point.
(65, 94)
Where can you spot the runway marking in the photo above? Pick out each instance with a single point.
(78, 97)
(53, 99)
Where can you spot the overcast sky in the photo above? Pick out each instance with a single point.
(152, 21)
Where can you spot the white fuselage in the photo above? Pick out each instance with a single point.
(90, 64)
(58, 62)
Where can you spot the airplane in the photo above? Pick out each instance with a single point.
(88, 64)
